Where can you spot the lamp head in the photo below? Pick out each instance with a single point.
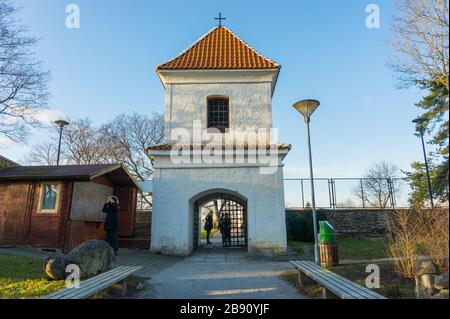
(306, 107)
(61, 123)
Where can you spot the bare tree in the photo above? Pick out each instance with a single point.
(83, 143)
(420, 37)
(348, 203)
(123, 140)
(378, 184)
(23, 83)
(42, 154)
(127, 137)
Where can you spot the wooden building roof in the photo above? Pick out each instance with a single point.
(115, 172)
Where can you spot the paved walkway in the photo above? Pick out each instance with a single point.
(151, 263)
(217, 272)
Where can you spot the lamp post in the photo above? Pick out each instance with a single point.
(61, 124)
(419, 122)
(307, 108)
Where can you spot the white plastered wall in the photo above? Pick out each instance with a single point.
(176, 189)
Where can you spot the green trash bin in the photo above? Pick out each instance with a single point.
(327, 233)
(328, 245)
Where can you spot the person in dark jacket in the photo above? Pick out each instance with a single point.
(225, 229)
(111, 209)
(208, 226)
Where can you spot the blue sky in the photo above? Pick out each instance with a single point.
(107, 67)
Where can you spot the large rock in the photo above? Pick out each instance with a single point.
(93, 257)
(441, 285)
(426, 272)
(441, 281)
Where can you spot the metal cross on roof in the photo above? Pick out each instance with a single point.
(220, 19)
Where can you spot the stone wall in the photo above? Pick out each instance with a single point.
(143, 216)
(143, 224)
(356, 220)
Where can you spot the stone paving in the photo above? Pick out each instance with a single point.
(216, 272)
(151, 263)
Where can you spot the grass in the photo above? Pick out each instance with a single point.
(350, 248)
(22, 278)
(391, 285)
(354, 248)
(297, 247)
(203, 233)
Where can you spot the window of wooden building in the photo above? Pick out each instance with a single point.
(50, 193)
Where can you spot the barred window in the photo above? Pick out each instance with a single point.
(218, 114)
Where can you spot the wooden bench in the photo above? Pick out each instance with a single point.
(98, 283)
(333, 285)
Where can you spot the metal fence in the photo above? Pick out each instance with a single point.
(344, 193)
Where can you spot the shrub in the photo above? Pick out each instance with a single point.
(434, 239)
(417, 232)
(299, 225)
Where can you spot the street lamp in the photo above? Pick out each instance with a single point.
(307, 108)
(61, 124)
(419, 122)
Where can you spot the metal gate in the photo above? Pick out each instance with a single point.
(238, 225)
(235, 208)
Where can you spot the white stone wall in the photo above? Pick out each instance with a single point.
(250, 99)
(175, 191)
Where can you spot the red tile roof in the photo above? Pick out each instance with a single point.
(219, 49)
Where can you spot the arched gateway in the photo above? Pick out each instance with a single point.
(219, 203)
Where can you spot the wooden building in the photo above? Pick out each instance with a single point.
(6, 162)
(59, 207)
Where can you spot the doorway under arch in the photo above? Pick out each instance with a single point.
(222, 203)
